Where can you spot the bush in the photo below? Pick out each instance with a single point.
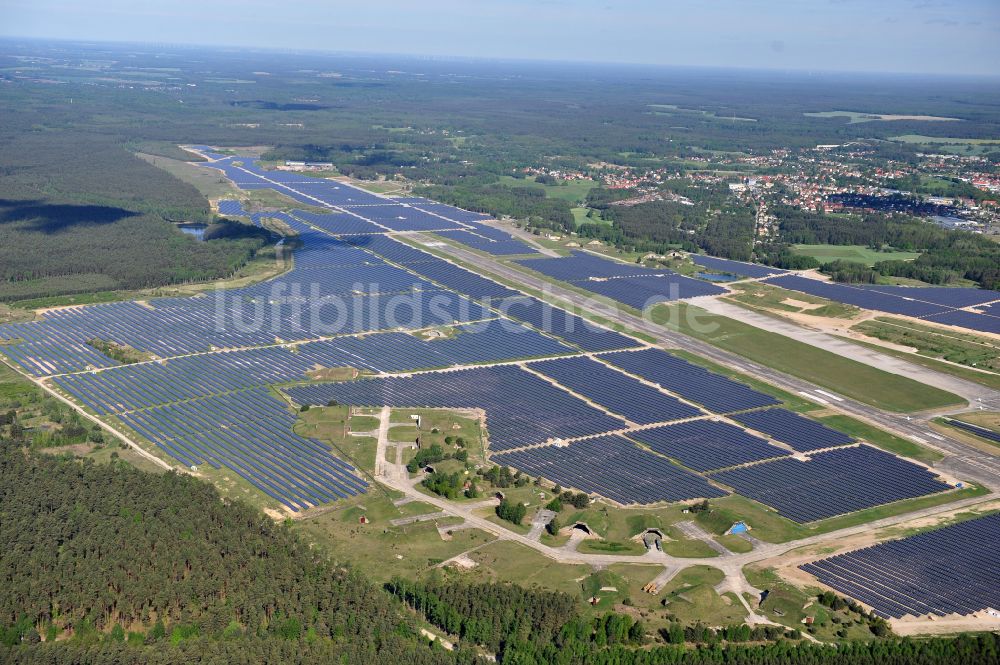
(510, 511)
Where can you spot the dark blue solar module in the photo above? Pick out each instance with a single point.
(993, 309)
(138, 386)
(619, 393)
(938, 305)
(251, 434)
(338, 223)
(697, 384)
(450, 212)
(646, 291)
(498, 247)
(489, 231)
(704, 445)
(835, 482)
(462, 280)
(975, 429)
(949, 297)
(412, 200)
(521, 408)
(858, 296)
(572, 328)
(402, 218)
(612, 467)
(970, 320)
(799, 432)
(581, 266)
(951, 570)
(630, 284)
(229, 207)
(208, 151)
(392, 250)
(740, 268)
(260, 315)
(314, 191)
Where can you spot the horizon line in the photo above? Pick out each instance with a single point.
(505, 59)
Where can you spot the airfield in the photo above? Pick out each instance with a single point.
(396, 304)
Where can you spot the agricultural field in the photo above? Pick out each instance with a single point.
(573, 191)
(857, 116)
(953, 145)
(856, 253)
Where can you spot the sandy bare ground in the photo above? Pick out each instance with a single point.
(978, 622)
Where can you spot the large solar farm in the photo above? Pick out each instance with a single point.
(372, 291)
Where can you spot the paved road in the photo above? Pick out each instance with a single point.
(961, 460)
(538, 522)
(974, 393)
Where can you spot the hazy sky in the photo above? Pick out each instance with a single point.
(960, 36)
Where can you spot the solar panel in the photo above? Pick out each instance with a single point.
(976, 429)
(740, 268)
(951, 570)
(705, 445)
(612, 467)
(250, 433)
(800, 433)
(831, 483)
(521, 408)
(717, 393)
(619, 393)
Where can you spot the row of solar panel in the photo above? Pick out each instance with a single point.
(739, 268)
(250, 433)
(830, 483)
(612, 467)
(131, 387)
(976, 429)
(632, 285)
(196, 325)
(951, 570)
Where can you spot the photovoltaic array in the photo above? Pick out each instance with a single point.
(613, 467)
(715, 392)
(831, 483)
(251, 434)
(739, 268)
(975, 429)
(202, 395)
(951, 570)
(617, 392)
(632, 285)
(790, 428)
(705, 445)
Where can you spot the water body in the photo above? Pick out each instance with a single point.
(196, 230)
(716, 277)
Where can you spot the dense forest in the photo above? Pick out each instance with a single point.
(80, 213)
(104, 558)
(528, 203)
